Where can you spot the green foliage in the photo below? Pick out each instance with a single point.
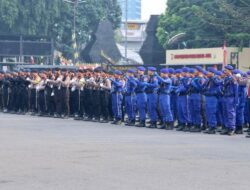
(54, 19)
(207, 23)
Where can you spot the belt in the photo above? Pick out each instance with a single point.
(183, 94)
(165, 93)
(129, 94)
(210, 95)
(228, 96)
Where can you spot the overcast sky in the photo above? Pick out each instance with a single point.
(150, 7)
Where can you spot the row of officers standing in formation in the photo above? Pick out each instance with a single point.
(188, 99)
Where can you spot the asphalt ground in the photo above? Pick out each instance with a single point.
(55, 154)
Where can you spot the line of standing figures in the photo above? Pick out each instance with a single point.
(188, 99)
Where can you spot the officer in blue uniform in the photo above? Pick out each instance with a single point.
(173, 95)
(195, 100)
(183, 91)
(211, 91)
(141, 96)
(230, 101)
(117, 97)
(151, 90)
(130, 97)
(248, 102)
(242, 82)
(164, 99)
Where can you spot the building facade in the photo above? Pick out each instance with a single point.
(133, 11)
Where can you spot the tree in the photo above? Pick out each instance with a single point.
(206, 23)
(54, 19)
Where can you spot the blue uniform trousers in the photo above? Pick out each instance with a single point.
(117, 105)
(141, 103)
(240, 113)
(173, 102)
(165, 108)
(182, 106)
(229, 112)
(130, 105)
(211, 107)
(152, 106)
(220, 112)
(195, 109)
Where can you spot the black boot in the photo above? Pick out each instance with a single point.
(210, 131)
(230, 132)
(152, 125)
(162, 126)
(248, 135)
(239, 131)
(117, 122)
(187, 128)
(141, 124)
(180, 128)
(195, 129)
(130, 123)
(224, 131)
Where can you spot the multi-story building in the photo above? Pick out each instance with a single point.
(133, 11)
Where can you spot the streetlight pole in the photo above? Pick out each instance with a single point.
(75, 3)
(126, 30)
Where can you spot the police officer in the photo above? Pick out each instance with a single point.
(105, 87)
(248, 100)
(130, 97)
(211, 92)
(164, 99)
(242, 82)
(183, 110)
(49, 94)
(117, 85)
(34, 82)
(152, 94)
(141, 96)
(1, 90)
(230, 101)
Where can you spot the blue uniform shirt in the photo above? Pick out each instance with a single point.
(141, 84)
(116, 85)
(165, 85)
(130, 85)
(152, 85)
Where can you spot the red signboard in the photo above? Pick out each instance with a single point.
(193, 56)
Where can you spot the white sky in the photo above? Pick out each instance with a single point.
(150, 7)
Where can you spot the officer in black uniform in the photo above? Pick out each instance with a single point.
(1, 90)
(49, 94)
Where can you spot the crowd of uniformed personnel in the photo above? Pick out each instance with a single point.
(188, 99)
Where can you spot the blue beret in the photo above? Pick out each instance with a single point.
(192, 71)
(204, 72)
(244, 74)
(199, 68)
(248, 72)
(118, 72)
(211, 69)
(171, 70)
(219, 73)
(229, 67)
(185, 69)
(236, 71)
(164, 70)
(131, 71)
(178, 71)
(151, 68)
(141, 68)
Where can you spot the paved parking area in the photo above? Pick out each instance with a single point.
(55, 154)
